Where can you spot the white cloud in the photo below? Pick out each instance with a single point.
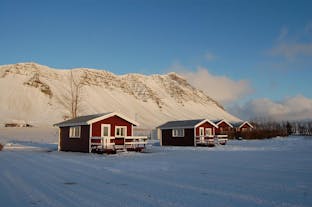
(210, 56)
(292, 50)
(293, 46)
(221, 88)
(293, 108)
(283, 34)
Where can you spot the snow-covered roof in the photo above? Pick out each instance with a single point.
(89, 119)
(185, 124)
(80, 120)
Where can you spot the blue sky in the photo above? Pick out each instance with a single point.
(267, 45)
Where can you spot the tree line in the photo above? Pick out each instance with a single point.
(264, 129)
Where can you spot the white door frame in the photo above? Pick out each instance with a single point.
(109, 130)
(202, 133)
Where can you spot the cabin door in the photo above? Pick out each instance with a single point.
(105, 134)
(105, 131)
(202, 134)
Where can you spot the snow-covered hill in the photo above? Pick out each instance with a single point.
(40, 95)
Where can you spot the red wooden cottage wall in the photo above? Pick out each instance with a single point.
(245, 127)
(113, 121)
(205, 125)
(224, 126)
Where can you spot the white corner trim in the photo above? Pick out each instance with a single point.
(59, 141)
(90, 137)
(195, 144)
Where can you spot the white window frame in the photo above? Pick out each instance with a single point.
(109, 130)
(75, 132)
(201, 131)
(208, 130)
(177, 132)
(124, 129)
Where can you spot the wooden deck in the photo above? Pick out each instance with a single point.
(211, 140)
(111, 145)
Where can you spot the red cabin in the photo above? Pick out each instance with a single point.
(224, 127)
(99, 132)
(187, 133)
(243, 126)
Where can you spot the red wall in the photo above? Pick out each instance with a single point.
(246, 126)
(113, 121)
(205, 125)
(224, 126)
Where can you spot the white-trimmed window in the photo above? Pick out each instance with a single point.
(208, 131)
(120, 131)
(177, 132)
(74, 132)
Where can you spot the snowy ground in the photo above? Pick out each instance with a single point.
(276, 172)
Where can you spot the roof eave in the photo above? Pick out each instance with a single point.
(206, 120)
(246, 122)
(70, 124)
(228, 123)
(181, 127)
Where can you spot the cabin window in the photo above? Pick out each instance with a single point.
(120, 131)
(74, 132)
(208, 131)
(178, 133)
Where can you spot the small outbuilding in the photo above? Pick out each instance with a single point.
(99, 132)
(187, 133)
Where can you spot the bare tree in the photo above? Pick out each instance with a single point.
(75, 94)
(72, 95)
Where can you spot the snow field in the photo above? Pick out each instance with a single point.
(276, 172)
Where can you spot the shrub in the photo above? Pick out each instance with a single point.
(1, 146)
(263, 134)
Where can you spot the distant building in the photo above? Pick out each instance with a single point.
(187, 133)
(224, 127)
(242, 126)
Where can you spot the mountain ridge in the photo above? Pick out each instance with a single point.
(41, 95)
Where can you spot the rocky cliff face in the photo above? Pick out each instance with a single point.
(41, 95)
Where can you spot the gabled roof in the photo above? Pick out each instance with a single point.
(89, 119)
(242, 123)
(185, 124)
(217, 122)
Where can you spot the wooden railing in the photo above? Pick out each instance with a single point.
(103, 143)
(138, 140)
(211, 140)
(130, 142)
